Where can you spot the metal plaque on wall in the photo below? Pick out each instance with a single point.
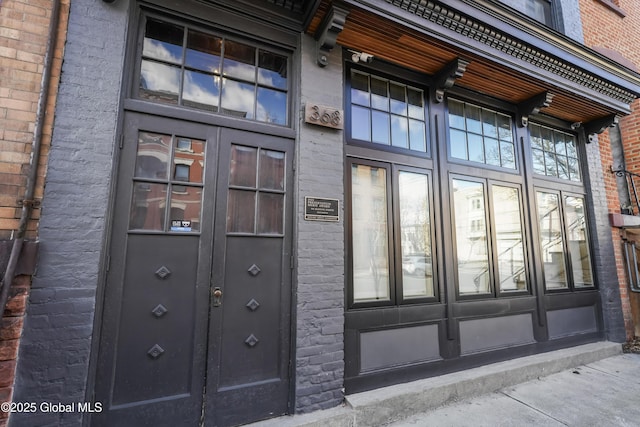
(321, 209)
(323, 116)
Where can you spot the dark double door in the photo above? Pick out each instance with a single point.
(196, 319)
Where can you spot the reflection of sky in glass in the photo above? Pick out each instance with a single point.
(161, 50)
(238, 69)
(272, 106)
(158, 77)
(272, 70)
(237, 98)
(399, 131)
(201, 88)
(203, 62)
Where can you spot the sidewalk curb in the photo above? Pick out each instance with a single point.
(394, 403)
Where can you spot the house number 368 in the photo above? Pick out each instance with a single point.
(323, 116)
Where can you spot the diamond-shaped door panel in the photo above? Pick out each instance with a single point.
(163, 272)
(254, 270)
(251, 341)
(253, 305)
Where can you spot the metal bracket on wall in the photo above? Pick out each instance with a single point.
(328, 31)
(631, 260)
(533, 106)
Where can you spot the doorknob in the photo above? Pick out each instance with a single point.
(217, 296)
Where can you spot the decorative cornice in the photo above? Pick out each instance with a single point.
(476, 30)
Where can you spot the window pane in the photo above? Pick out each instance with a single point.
(270, 219)
(459, 144)
(473, 119)
(578, 242)
(360, 123)
(272, 70)
(399, 132)
(398, 102)
(415, 236)
(509, 241)
(148, 206)
(239, 61)
(507, 155)
(563, 166)
(379, 95)
(185, 205)
(489, 128)
(237, 98)
(574, 169)
(471, 237)
(456, 114)
(476, 148)
(416, 105)
(153, 155)
(241, 211)
(189, 158)
(551, 241)
(417, 135)
(538, 161)
(201, 91)
(163, 41)
(159, 82)
(370, 238)
(243, 166)
(492, 151)
(359, 88)
(271, 170)
(550, 163)
(504, 128)
(272, 106)
(380, 127)
(203, 52)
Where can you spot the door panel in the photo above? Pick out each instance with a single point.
(152, 357)
(248, 369)
(197, 288)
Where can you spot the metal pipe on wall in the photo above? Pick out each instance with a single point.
(28, 200)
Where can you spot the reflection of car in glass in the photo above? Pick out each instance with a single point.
(417, 265)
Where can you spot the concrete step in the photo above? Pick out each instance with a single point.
(394, 403)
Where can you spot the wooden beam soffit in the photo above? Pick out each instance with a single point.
(447, 76)
(597, 126)
(532, 106)
(328, 31)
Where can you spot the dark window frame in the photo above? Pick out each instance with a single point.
(216, 30)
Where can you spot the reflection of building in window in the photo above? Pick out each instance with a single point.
(181, 173)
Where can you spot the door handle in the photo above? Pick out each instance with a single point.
(216, 293)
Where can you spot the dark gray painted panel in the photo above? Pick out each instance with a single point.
(251, 309)
(495, 332)
(571, 321)
(157, 313)
(399, 346)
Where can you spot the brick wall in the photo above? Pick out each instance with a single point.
(608, 31)
(320, 251)
(24, 32)
(53, 360)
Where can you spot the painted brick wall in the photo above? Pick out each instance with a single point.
(56, 344)
(607, 30)
(24, 32)
(320, 251)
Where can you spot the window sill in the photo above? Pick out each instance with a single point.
(614, 7)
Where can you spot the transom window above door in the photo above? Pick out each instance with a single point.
(195, 69)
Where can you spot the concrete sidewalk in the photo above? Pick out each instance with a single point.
(593, 384)
(603, 393)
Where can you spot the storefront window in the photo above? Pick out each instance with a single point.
(370, 233)
(564, 225)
